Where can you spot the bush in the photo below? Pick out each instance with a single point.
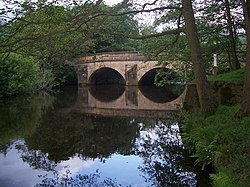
(223, 142)
(18, 75)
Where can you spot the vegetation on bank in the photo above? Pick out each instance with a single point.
(18, 75)
(221, 140)
(22, 74)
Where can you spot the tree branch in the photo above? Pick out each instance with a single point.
(167, 32)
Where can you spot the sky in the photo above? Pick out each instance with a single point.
(112, 2)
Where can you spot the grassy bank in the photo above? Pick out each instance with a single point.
(234, 77)
(221, 140)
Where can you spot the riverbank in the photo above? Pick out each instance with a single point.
(221, 140)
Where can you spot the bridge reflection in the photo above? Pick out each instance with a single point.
(132, 101)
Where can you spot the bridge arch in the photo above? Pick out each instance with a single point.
(106, 75)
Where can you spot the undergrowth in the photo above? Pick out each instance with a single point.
(223, 142)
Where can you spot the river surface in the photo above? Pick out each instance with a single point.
(95, 136)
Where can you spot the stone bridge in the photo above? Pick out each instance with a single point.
(127, 68)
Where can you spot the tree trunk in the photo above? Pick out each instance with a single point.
(229, 60)
(245, 104)
(235, 61)
(207, 100)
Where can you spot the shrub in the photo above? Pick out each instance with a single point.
(18, 75)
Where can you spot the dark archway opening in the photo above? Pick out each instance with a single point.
(156, 75)
(107, 84)
(106, 76)
(165, 92)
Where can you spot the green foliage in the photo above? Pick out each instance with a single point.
(24, 75)
(47, 79)
(18, 75)
(65, 75)
(55, 33)
(223, 141)
(223, 178)
(113, 34)
(54, 38)
(164, 77)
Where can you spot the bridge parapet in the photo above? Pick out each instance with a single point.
(113, 56)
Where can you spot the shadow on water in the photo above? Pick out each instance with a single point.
(163, 94)
(106, 93)
(67, 148)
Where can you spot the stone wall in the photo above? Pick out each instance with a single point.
(226, 94)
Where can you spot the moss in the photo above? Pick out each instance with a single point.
(223, 142)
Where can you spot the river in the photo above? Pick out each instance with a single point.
(95, 136)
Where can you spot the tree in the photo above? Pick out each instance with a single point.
(245, 104)
(58, 32)
(105, 40)
(230, 25)
(206, 98)
(49, 31)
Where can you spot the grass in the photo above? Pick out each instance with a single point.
(235, 77)
(222, 141)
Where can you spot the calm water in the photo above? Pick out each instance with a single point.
(94, 137)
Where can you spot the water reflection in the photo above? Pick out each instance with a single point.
(21, 115)
(162, 94)
(143, 101)
(109, 93)
(64, 135)
(163, 154)
(66, 147)
(106, 93)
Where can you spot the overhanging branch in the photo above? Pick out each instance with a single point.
(167, 32)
